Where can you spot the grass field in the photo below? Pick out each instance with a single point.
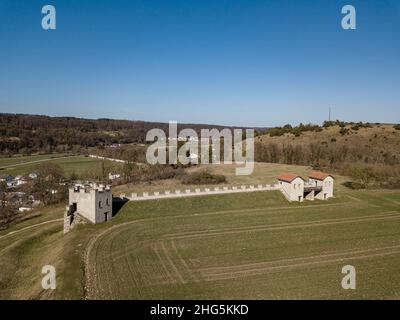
(20, 159)
(24, 165)
(254, 246)
(250, 245)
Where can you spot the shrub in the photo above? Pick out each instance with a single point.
(202, 177)
(391, 183)
(344, 131)
(383, 175)
(353, 185)
(361, 173)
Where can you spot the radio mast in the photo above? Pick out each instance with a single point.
(329, 113)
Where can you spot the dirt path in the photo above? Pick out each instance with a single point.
(30, 227)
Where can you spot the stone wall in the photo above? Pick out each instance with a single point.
(199, 192)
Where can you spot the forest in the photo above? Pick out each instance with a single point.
(26, 134)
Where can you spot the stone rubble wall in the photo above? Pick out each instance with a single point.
(71, 220)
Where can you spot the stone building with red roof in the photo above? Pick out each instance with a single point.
(295, 188)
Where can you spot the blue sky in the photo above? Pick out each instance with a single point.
(236, 62)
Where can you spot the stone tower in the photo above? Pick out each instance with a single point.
(89, 202)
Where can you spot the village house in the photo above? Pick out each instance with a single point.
(114, 175)
(6, 178)
(13, 182)
(20, 180)
(15, 198)
(33, 175)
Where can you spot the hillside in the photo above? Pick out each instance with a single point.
(22, 133)
(333, 146)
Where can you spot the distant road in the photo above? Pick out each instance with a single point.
(115, 160)
(109, 159)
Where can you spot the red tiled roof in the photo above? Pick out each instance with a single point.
(288, 177)
(319, 175)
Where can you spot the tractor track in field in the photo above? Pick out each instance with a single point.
(30, 227)
(176, 269)
(245, 270)
(353, 198)
(171, 263)
(218, 232)
(181, 260)
(120, 253)
(91, 288)
(162, 262)
(90, 273)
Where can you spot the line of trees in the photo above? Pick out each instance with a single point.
(325, 154)
(301, 128)
(367, 175)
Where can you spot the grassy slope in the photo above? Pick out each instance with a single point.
(376, 139)
(152, 258)
(25, 248)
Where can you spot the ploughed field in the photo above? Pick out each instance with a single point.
(253, 246)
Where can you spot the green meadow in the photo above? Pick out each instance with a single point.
(23, 165)
(239, 246)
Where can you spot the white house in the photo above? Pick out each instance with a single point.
(33, 175)
(20, 180)
(324, 183)
(6, 178)
(292, 186)
(295, 188)
(12, 183)
(113, 176)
